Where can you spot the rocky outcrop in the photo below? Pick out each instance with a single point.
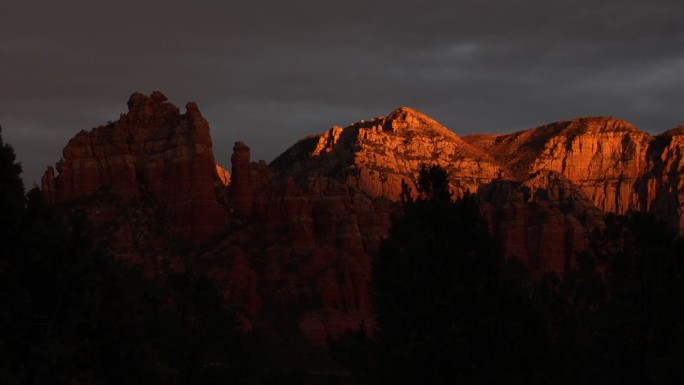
(154, 151)
(603, 156)
(375, 156)
(302, 252)
(542, 221)
(661, 190)
(619, 167)
(241, 194)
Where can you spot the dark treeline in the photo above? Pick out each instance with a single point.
(451, 309)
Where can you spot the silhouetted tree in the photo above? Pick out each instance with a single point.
(353, 350)
(449, 307)
(11, 195)
(619, 317)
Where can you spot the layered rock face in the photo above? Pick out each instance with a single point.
(619, 167)
(375, 156)
(603, 156)
(151, 151)
(241, 192)
(542, 221)
(661, 189)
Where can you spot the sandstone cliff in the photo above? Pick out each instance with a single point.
(375, 156)
(302, 252)
(603, 156)
(152, 151)
(542, 221)
(619, 167)
(661, 189)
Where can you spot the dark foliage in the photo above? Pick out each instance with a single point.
(449, 307)
(11, 193)
(69, 314)
(353, 351)
(618, 318)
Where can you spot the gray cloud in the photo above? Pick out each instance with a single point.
(270, 72)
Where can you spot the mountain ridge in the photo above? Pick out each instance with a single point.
(294, 238)
(377, 155)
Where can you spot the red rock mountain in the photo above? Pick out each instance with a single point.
(619, 167)
(291, 242)
(604, 156)
(375, 156)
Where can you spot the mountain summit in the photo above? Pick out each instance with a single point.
(375, 156)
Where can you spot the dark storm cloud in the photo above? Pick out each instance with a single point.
(270, 72)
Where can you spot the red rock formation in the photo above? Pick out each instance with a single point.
(605, 161)
(153, 150)
(662, 187)
(303, 252)
(542, 221)
(375, 156)
(603, 156)
(618, 167)
(223, 174)
(299, 234)
(241, 194)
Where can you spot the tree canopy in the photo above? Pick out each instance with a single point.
(449, 307)
(11, 193)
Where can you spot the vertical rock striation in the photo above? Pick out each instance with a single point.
(302, 252)
(619, 167)
(154, 151)
(603, 156)
(241, 194)
(661, 190)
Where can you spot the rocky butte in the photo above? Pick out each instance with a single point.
(290, 242)
(151, 151)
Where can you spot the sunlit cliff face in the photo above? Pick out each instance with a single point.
(224, 175)
(604, 156)
(375, 156)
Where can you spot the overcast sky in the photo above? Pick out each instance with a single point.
(271, 72)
